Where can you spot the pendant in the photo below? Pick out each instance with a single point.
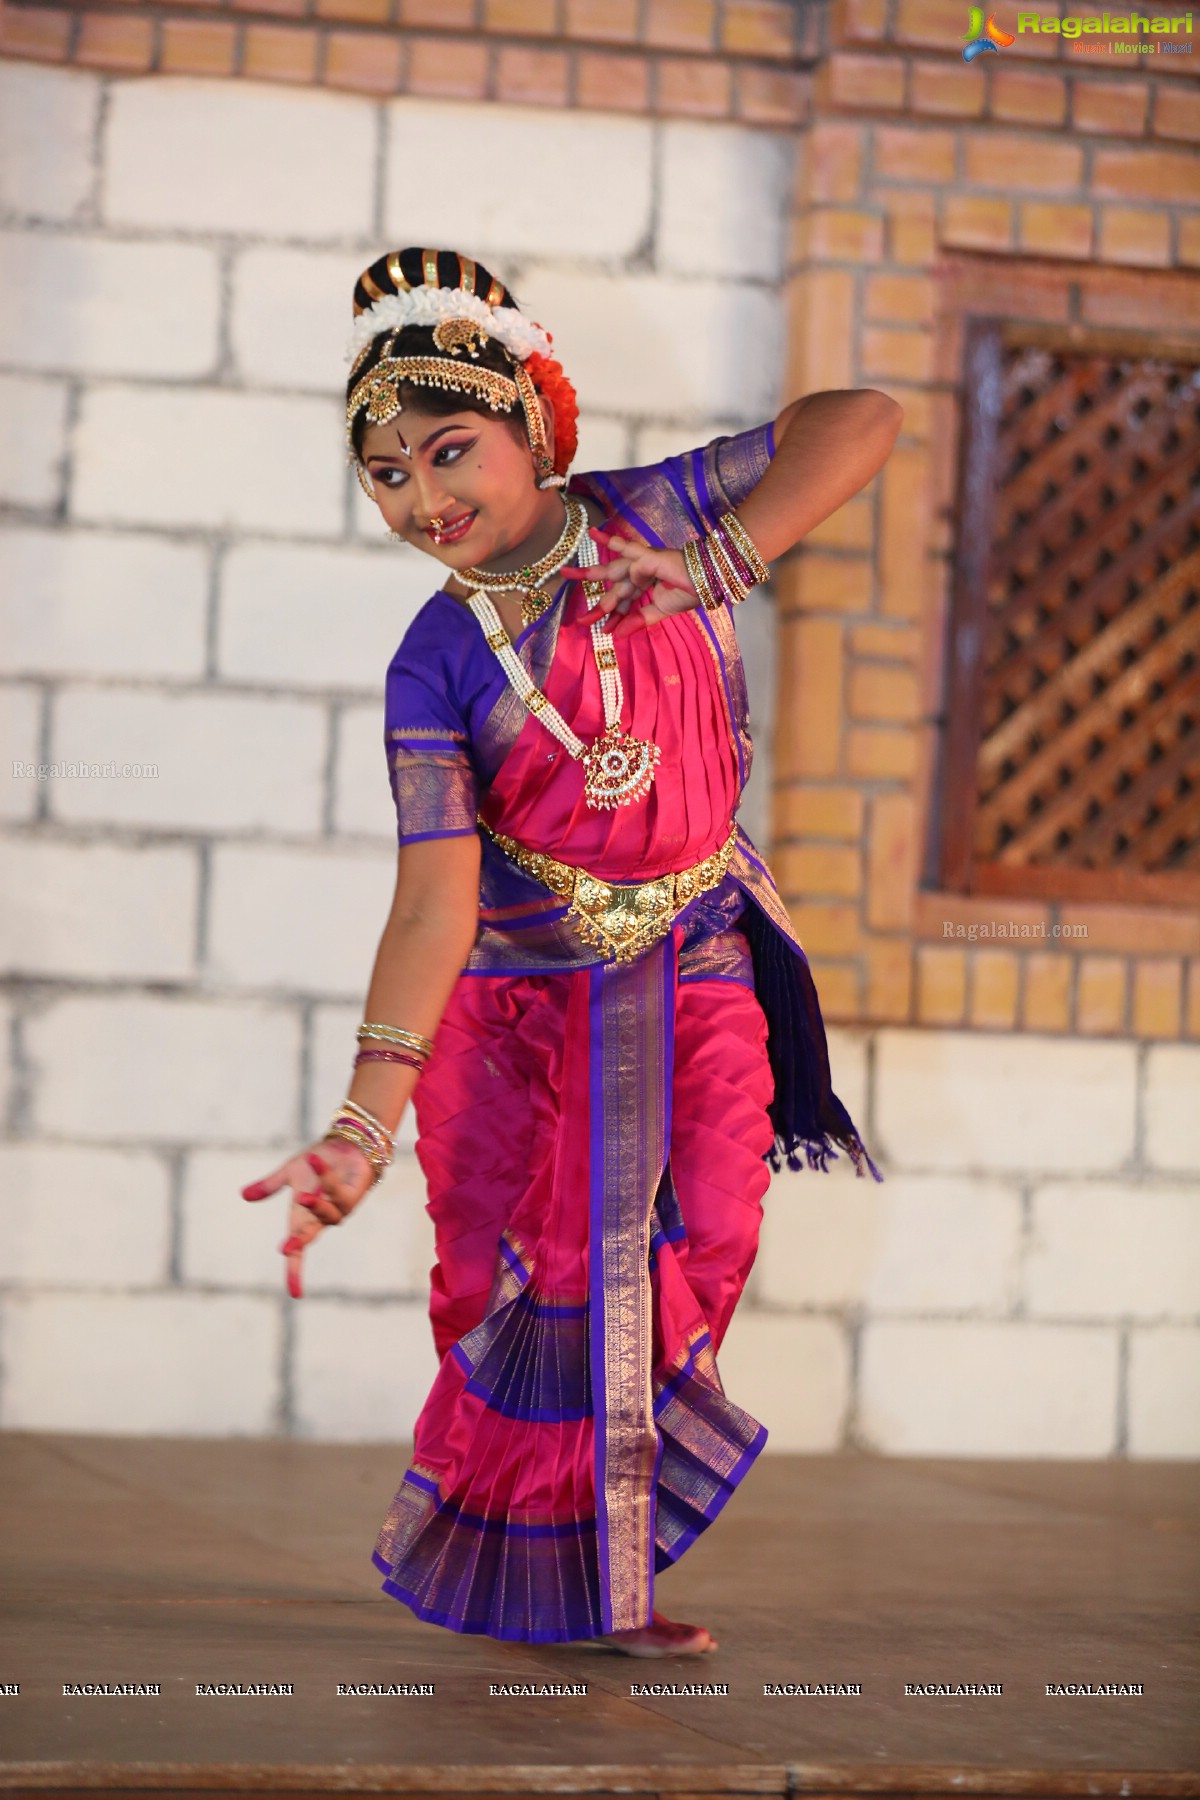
(618, 768)
(534, 602)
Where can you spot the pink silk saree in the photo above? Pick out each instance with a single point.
(596, 1135)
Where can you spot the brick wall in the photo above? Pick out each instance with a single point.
(703, 59)
(193, 582)
(1035, 185)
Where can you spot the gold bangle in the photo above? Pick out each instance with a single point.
(352, 1106)
(736, 587)
(374, 1156)
(746, 545)
(393, 1034)
(347, 1122)
(698, 576)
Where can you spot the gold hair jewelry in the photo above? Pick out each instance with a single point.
(535, 427)
(378, 391)
(456, 335)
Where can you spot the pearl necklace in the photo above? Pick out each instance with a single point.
(525, 582)
(619, 767)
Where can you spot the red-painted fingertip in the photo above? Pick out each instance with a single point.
(253, 1191)
(306, 1199)
(316, 1162)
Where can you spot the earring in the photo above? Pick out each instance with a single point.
(553, 481)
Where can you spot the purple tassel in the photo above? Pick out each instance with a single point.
(807, 1115)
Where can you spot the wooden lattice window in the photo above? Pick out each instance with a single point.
(1070, 763)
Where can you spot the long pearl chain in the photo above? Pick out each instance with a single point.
(619, 769)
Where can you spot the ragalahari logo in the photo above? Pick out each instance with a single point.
(984, 37)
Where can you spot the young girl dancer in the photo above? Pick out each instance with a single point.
(587, 983)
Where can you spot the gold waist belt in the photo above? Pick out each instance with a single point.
(623, 919)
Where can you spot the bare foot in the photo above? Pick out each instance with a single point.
(662, 1637)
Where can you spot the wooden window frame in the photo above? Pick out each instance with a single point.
(954, 868)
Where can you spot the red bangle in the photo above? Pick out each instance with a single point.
(396, 1056)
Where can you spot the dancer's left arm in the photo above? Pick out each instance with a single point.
(828, 446)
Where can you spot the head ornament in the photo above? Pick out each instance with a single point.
(462, 322)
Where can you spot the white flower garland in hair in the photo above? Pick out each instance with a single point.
(428, 306)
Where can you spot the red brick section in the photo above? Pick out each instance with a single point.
(745, 60)
(1041, 187)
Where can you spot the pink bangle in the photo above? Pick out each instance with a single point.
(393, 1056)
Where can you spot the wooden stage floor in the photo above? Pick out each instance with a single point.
(196, 1561)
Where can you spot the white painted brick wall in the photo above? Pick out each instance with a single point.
(94, 306)
(301, 920)
(97, 603)
(294, 343)
(77, 910)
(226, 762)
(362, 803)
(33, 441)
(307, 617)
(83, 1217)
(48, 123)
(916, 1244)
(8, 1074)
(1001, 1102)
(188, 1364)
(623, 342)
(20, 742)
(251, 159)
(1102, 1250)
(191, 577)
(1173, 1107)
(577, 185)
(144, 1069)
(218, 459)
(940, 1388)
(603, 443)
(361, 1372)
(1164, 1392)
(725, 200)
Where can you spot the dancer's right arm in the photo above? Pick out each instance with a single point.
(426, 939)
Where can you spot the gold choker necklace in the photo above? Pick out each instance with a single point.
(526, 581)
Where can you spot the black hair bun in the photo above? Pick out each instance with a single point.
(399, 270)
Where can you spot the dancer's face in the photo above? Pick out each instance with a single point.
(473, 473)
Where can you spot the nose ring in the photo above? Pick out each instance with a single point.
(437, 523)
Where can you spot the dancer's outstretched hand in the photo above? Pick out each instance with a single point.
(642, 585)
(327, 1183)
